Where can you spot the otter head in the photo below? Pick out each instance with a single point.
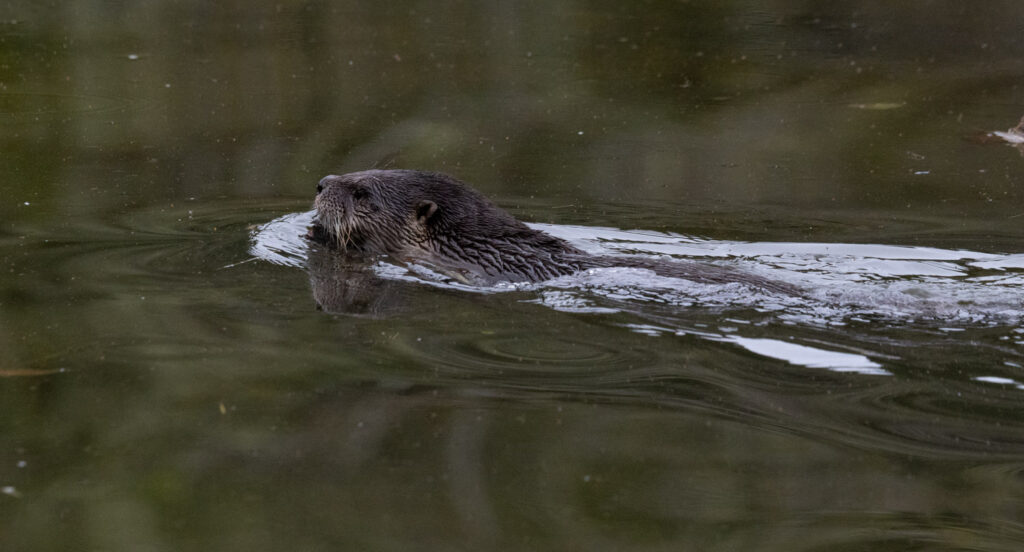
(398, 211)
(432, 217)
(376, 212)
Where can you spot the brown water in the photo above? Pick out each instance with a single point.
(166, 387)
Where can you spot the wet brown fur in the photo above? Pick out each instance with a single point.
(415, 216)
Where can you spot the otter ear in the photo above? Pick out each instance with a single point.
(425, 210)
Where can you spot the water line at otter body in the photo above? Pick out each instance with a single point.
(897, 281)
(841, 284)
(841, 280)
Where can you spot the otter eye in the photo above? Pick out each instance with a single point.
(360, 193)
(319, 188)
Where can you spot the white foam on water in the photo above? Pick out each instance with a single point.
(280, 241)
(1009, 137)
(998, 380)
(811, 357)
(840, 283)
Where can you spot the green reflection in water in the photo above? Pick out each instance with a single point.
(160, 395)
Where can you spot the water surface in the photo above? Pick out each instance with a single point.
(169, 383)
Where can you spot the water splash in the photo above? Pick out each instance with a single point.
(842, 282)
(941, 290)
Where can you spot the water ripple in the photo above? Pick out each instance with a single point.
(540, 361)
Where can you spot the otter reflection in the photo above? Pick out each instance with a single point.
(347, 284)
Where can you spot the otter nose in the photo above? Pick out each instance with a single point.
(324, 182)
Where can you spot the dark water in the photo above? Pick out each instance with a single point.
(167, 386)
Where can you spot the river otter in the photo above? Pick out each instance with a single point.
(432, 218)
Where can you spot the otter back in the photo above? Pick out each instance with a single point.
(432, 218)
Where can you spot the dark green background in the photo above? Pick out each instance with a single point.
(157, 396)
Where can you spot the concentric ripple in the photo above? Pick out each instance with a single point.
(524, 359)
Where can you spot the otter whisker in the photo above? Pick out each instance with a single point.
(342, 233)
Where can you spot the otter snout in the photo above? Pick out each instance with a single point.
(333, 222)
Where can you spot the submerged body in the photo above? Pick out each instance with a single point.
(432, 218)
